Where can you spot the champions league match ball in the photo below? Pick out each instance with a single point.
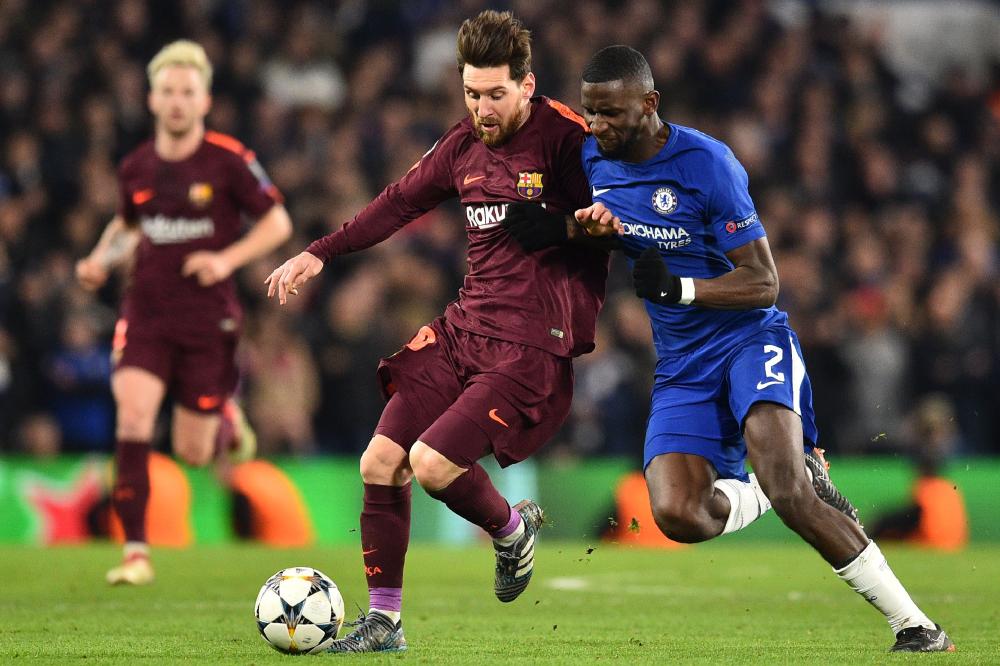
(299, 611)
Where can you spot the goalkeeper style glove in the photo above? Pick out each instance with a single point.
(654, 281)
(533, 227)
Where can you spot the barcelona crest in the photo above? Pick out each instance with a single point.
(200, 194)
(529, 184)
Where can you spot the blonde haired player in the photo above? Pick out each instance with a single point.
(182, 196)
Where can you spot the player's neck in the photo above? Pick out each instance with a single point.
(525, 114)
(176, 148)
(652, 142)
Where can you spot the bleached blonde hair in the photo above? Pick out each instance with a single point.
(182, 52)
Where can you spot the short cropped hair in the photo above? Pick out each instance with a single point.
(492, 39)
(182, 52)
(618, 63)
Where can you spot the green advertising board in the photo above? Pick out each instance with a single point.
(47, 501)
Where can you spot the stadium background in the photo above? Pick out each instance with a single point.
(871, 133)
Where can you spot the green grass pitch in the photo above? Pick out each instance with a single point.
(716, 603)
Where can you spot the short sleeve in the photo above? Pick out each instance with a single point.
(126, 207)
(731, 211)
(254, 192)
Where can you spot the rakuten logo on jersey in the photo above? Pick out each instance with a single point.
(485, 216)
(163, 230)
(667, 238)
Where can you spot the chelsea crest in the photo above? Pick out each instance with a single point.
(664, 201)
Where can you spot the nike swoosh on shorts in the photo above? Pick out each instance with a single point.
(764, 385)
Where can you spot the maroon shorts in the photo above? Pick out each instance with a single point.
(198, 368)
(465, 395)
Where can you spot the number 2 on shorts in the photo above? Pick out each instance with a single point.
(769, 371)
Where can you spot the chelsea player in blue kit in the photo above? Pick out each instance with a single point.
(730, 381)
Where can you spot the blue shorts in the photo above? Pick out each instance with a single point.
(700, 400)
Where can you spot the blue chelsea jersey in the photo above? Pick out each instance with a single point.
(691, 201)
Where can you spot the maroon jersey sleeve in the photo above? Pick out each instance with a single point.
(568, 161)
(127, 200)
(428, 182)
(253, 191)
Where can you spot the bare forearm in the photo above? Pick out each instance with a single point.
(116, 245)
(743, 288)
(267, 234)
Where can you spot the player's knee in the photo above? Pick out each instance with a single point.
(385, 464)
(133, 432)
(432, 470)
(195, 457)
(680, 521)
(134, 424)
(193, 453)
(790, 499)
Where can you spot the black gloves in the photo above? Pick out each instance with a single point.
(533, 227)
(653, 280)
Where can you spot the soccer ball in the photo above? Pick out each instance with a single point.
(299, 611)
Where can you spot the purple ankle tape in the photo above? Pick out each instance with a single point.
(386, 598)
(508, 529)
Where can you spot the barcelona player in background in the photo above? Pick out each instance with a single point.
(730, 380)
(494, 374)
(182, 196)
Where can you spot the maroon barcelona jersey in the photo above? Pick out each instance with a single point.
(547, 299)
(181, 207)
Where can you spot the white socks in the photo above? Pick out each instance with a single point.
(133, 548)
(392, 615)
(747, 502)
(870, 576)
(511, 538)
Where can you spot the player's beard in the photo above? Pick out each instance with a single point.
(618, 149)
(622, 146)
(507, 129)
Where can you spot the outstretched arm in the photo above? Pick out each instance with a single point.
(116, 245)
(425, 185)
(270, 231)
(377, 221)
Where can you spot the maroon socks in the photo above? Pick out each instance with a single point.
(131, 492)
(385, 535)
(385, 527)
(474, 497)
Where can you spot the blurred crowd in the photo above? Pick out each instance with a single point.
(880, 204)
